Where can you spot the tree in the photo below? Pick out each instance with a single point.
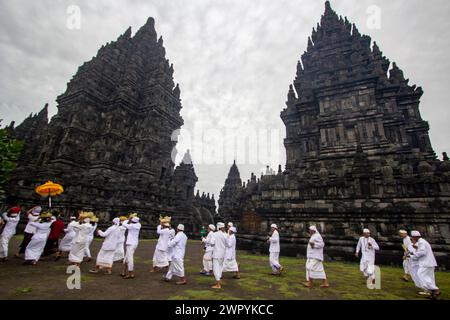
(10, 150)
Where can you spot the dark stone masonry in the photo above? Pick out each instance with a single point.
(358, 155)
(111, 143)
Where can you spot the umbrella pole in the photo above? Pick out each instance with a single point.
(50, 202)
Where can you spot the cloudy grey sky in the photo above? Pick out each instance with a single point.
(234, 60)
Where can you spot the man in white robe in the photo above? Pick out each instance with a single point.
(230, 264)
(274, 251)
(36, 246)
(160, 260)
(119, 255)
(407, 248)
(314, 262)
(209, 248)
(427, 264)
(32, 216)
(134, 227)
(67, 241)
(78, 250)
(176, 268)
(169, 248)
(219, 242)
(90, 238)
(11, 220)
(105, 257)
(367, 246)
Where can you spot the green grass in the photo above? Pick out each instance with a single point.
(346, 281)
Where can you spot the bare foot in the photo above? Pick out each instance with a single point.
(307, 284)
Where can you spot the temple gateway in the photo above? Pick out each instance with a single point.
(358, 155)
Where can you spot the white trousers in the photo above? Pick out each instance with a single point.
(129, 256)
(274, 261)
(218, 268)
(4, 244)
(87, 252)
(406, 266)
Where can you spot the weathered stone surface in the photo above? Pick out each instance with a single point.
(358, 155)
(110, 144)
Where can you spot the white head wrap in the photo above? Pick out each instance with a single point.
(230, 224)
(36, 211)
(366, 231)
(274, 226)
(313, 228)
(180, 227)
(135, 219)
(73, 218)
(116, 221)
(415, 234)
(220, 225)
(212, 227)
(403, 231)
(233, 229)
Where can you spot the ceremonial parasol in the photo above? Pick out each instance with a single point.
(50, 190)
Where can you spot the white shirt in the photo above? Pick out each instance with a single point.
(122, 234)
(82, 232)
(164, 238)
(42, 229)
(424, 254)
(230, 252)
(219, 242)
(407, 244)
(11, 224)
(274, 242)
(91, 233)
(368, 253)
(133, 232)
(111, 235)
(179, 245)
(29, 228)
(315, 252)
(208, 242)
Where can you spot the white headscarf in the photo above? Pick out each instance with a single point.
(180, 227)
(415, 234)
(274, 226)
(36, 211)
(233, 229)
(135, 219)
(212, 227)
(366, 231)
(220, 225)
(116, 221)
(313, 228)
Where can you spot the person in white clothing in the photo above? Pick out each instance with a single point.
(78, 250)
(36, 246)
(176, 268)
(133, 226)
(66, 243)
(219, 243)
(230, 264)
(105, 257)
(207, 257)
(90, 238)
(119, 255)
(407, 248)
(367, 246)
(169, 248)
(11, 220)
(32, 216)
(427, 263)
(160, 260)
(274, 250)
(314, 262)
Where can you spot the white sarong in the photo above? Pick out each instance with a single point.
(315, 270)
(207, 261)
(274, 261)
(176, 269)
(367, 267)
(426, 278)
(77, 252)
(230, 265)
(218, 268)
(160, 259)
(119, 254)
(35, 248)
(4, 244)
(66, 243)
(105, 258)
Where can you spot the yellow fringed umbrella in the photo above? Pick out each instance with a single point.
(49, 190)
